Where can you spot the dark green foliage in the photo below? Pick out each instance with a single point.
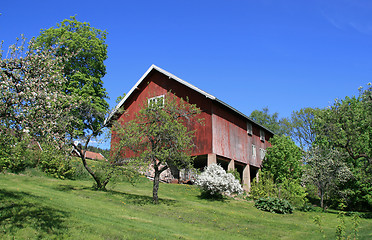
(303, 129)
(307, 207)
(274, 205)
(271, 121)
(283, 159)
(84, 70)
(360, 190)
(347, 126)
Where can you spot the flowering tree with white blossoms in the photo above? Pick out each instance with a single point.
(214, 181)
(31, 96)
(325, 169)
(33, 101)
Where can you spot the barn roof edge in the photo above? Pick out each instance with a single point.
(166, 73)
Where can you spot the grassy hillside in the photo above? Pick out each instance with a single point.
(42, 207)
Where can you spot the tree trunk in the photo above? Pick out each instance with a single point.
(156, 187)
(322, 200)
(90, 171)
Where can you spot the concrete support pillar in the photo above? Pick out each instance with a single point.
(246, 181)
(257, 176)
(231, 165)
(212, 158)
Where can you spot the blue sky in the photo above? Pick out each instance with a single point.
(283, 54)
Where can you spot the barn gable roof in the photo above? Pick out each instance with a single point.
(171, 76)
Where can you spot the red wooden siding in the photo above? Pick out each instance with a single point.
(230, 137)
(158, 84)
(224, 132)
(229, 134)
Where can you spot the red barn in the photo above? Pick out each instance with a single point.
(228, 137)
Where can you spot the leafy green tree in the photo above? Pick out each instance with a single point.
(271, 121)
(283, 167)
(84, 69)
(303, 129)
(158, 136)
(347, 127)
(283, 159)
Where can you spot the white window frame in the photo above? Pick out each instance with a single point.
(249, 128)
(262, 135)
(262, 153)
(155, 100)
(254, 151)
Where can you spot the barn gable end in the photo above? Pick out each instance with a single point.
(228, 137)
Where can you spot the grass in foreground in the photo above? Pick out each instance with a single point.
(37, 207)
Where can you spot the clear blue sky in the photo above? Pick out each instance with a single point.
(283, 54)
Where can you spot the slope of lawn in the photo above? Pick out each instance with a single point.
(37, 207)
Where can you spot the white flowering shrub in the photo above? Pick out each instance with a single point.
(214, 181)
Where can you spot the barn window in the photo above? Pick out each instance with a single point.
(253, 151)
(156, 101)
(262, 135)
(262, 153)
(249, 128)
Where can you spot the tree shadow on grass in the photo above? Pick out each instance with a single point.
(214, 198)
(20, 210)
(65, 187)
(136, 199)
(68, 187)
(365, 215)
(130, 198)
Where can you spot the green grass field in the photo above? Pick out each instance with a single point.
(39, 207)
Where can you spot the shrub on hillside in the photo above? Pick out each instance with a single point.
(16, 156)
(56, 163)
(290, 189)
(274, 205)
(265, 187)
(214, 181)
